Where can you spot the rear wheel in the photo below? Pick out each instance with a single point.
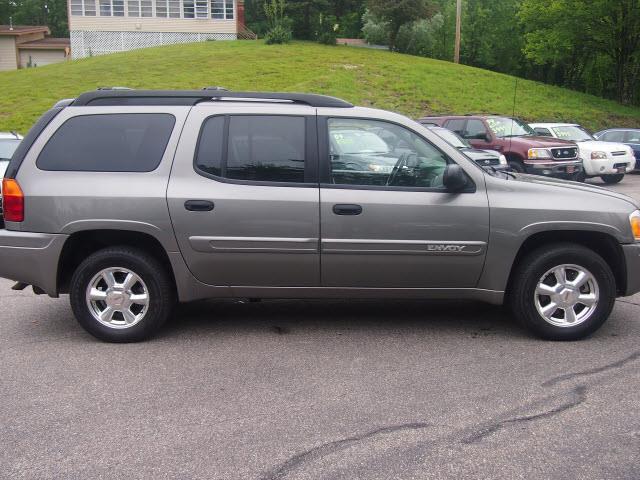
(611, 179)
(121, 295)
(563, 292)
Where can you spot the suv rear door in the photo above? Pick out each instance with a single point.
(243, 195)
(400, 232)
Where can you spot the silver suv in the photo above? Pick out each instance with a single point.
(132, 200)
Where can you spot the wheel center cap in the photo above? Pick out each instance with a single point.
(116, 299)
(567, 297)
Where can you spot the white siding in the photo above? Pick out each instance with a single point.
(154, 24)
(8, 55)
(40, 57)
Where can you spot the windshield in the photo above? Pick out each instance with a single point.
(7, 147)
(451, 137)
(353, 142)
(572, 132)
(504, 127)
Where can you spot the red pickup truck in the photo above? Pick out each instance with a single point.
(525, 152)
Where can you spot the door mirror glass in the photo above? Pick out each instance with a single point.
(455, 180)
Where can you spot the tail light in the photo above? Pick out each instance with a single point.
(12, 200)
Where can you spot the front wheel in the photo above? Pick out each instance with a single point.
(563, 292)
(611, 179)
(121, 295)
(516, 166)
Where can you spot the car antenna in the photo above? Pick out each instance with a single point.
(515, 94)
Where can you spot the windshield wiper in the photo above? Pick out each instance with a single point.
(506, 172)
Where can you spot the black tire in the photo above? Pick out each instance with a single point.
(516, 166)
(611, 179)
(161, 293)
(580, 177)
(524, 282)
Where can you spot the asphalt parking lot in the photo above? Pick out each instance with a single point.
(318, 390)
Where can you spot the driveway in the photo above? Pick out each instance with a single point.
(318, 390)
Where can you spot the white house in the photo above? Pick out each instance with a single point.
(106, 26)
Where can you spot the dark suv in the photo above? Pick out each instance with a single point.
(525, 152)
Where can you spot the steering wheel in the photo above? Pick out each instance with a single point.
(402, 161)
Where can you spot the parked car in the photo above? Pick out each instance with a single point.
(628, 136)
(607, 160)
(487, 159)
(525, 152)
(129, 200)
(9, 141)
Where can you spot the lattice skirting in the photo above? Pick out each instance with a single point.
(90, 43)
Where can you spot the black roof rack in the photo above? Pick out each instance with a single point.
(116, 97)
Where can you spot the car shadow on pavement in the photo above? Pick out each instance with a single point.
(284, 317)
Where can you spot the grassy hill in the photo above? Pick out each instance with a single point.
(410, 85)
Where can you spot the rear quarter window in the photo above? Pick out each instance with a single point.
(131, 142)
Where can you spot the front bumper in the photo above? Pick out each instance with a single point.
(557, 169)
(609, 166)
(31, 258)
(632, 262)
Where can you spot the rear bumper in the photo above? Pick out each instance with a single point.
(31, 258)
(632, 261)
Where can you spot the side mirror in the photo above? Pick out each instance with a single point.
(454, 180)
(488, 138)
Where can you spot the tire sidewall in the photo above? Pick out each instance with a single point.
(545, 262)
(141, 264)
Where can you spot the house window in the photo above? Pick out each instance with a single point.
(188, 9)
(202, 8)
(168, 8)
(139, 8)
(222, 9)
(112, 8)
(83, 8)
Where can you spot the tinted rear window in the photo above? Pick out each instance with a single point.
(108, 143)
(257, 148)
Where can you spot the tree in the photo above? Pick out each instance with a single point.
(51, 13)
(577, 41)
(399, 13)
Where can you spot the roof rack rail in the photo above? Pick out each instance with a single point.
(117, 97)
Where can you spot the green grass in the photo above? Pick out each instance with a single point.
(410, 85)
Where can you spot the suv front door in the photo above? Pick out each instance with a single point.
(243, 195)
(386, 219)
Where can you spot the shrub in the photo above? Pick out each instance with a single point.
(279, 25)
(327, 30)
(278, 35)
(419, 37)
(375, 31)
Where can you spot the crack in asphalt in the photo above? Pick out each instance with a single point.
(578, 396)
(611, 366)
(285, 468)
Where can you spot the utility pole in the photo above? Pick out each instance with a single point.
(456, 58)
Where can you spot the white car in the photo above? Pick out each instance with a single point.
(607, 160)
(8, 144)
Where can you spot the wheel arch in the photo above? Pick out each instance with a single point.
(80, 244)
(602, 243)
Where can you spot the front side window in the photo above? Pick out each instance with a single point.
(258, 148)
(452, 138)
(616, 136)
(108, 143)
(456, 125)
(475, 130)
(632, 136)
(375, 153)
